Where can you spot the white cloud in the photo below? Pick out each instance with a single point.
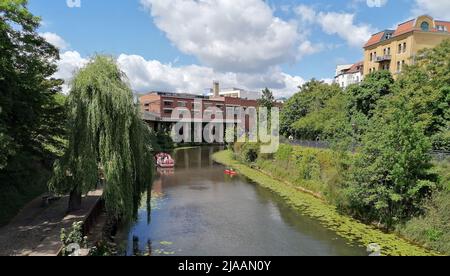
(238, 36)
(436, 8)
(150, 75)
(342, 24)
(334, 23)
(146, 75)
(70, 63)
(307, 14)
(56, 40)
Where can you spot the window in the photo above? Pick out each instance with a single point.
(182, 104)
(404, 47)
(441, 28)
(389, 51)
(425, 26)
(398, 66)
(167, 103)
(371, 57)
(403, 64)
(167, 111)
(399, 48)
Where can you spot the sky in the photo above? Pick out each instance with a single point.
(185, 45)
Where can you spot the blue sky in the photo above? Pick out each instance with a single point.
(182, 45)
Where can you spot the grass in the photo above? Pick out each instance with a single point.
(346, 227)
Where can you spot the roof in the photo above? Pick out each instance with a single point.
(375, 39)
(404, 28)
(357, 67)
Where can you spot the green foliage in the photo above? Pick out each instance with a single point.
(230, 135)
(427, 86)
(331, 121)
(284, 153)
(74, 236)
(164, 141)
(5, 149)
(267, 99)
(433, 228)
(364, 97)
(303, 114)
(312, 169)
(247, 152)
(107, 137)
(31, 115)
(391, 175)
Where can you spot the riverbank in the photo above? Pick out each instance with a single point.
(346, 227)
(35, 231)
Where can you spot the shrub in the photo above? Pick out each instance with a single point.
(74, 236)
(433, 228)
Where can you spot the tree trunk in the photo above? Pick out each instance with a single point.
(74, 200)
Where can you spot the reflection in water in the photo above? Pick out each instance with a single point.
(198, 210)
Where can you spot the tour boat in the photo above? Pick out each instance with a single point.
(164, 160)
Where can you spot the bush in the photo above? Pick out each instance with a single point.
(249, 153)
(433, 228)
(314, 169)
(391, 176)
(74, 236)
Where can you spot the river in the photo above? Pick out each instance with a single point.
(197, 210)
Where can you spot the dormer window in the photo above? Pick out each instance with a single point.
(425, 26)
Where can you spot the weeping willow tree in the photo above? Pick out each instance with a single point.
(108, 142)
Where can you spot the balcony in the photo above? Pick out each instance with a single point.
(383, 58)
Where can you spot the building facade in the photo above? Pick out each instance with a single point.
(349, 74)
(393, 49)
(238, 93)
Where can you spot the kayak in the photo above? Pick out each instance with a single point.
(230, 172)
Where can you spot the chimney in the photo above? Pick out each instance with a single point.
(216, 89)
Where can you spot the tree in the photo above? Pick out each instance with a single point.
(328, 122)
(390, 177)
(30, 114)
(313, 96)
(427, 85)
(107, 140)
(267, 99)
(366, 95)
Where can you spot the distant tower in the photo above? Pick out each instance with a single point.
(216, 89)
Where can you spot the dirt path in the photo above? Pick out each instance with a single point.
(35, 230)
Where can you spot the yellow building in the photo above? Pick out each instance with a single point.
(392, 49)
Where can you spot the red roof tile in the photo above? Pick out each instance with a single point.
(375, 39)
(357, 67)
(404, 28)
